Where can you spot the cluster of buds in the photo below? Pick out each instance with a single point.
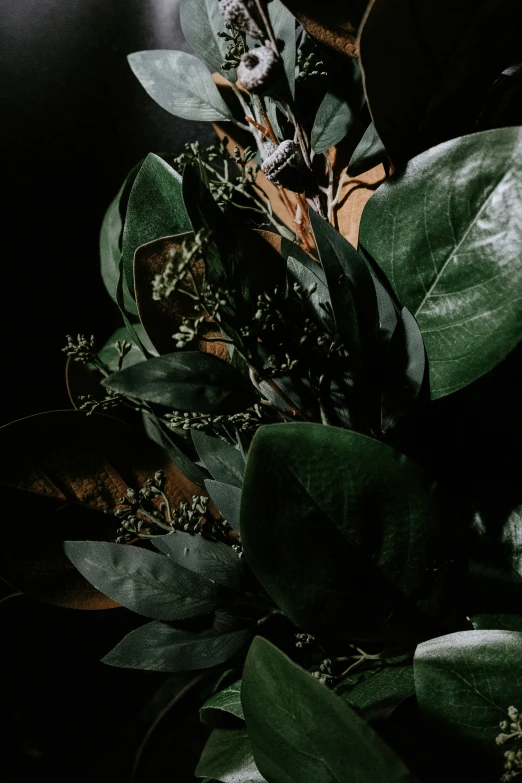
(244, 15)
(513, 756)
(285, 166)
(246, 421)
(325, 674)
(303, 640)
(141, 515)
(90, 404)
(178, 268)
(190, 517)
(81, 349)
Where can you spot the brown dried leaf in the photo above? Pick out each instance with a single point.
(79, 466)
(354, 196)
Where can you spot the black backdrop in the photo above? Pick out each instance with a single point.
(73, 122)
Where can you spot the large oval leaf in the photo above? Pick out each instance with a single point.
(349, 538)
(300, 731)
(465, 684)
(181, 84)
(448, 234)
(187, 381)
(145, 582)
(428, 82)
(201, 21)
(155, 209)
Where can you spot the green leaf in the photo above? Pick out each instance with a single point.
(497, 622)
(225, 463)
(444, 234)
(142, 581)
(369, 153)
(393, 683)
(201, 21)
(159, 647)
(228, 501)
(466, 682)
(181, 84)
(352, 292)
(227, 757)
(227, 700)
(188, 381)
(333, 122)
(110, 243)
(283, 23)
(300, 731)
(348, 537)
(212, 559)
(156, 209)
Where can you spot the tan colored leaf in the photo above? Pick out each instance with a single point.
(354, 196)
(65, 474)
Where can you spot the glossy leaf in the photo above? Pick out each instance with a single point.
(142, 581)
(188, 381)
(227, 757)
(201, 21)
(333, 122)
(155, 210)
(224, 462)
(227, 700)
(159, 647)
(181, 84)
(369, 153)
(227, 499)
(283, 23)
(300, 731)
(448, 235)
(466, 682)
(373, 529)
(212, 559)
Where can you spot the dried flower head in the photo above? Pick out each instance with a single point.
(259, 69)
(244, 15)
(286, 167)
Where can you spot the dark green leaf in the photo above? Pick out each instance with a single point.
(347, 536)
(369, 153)
(201, 21)
(109, 354)
(465, 683)
(181, 84)
(227, 700)
(142, 581)
(497, 622)
(283, 23)
(444, 234)
(159, 647)
(188, 381)
(227, 757)
(211, 559)
(225, 463)
(300, 731)
(394, 683)
(333, 122)
(132, 334)
(155, 210)
(352, 292)
(228, 501)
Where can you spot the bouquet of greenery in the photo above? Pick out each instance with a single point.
(294, 456)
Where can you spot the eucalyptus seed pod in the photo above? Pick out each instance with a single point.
(259, 69)
(244, 15)
(286, 167)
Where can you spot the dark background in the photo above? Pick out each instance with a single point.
(74, 122)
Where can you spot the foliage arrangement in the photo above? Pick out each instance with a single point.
(259, 463)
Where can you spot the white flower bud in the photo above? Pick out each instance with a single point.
(259, 69)
(286, 167)
(244, 15)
